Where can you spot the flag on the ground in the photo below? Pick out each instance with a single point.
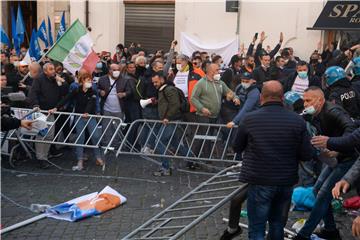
(62, 27)
(20, 26)
(51, 42)
(34, 49)
(74, 49)
(4, 37)
(42, 34)
(14, 36)
(88, 205)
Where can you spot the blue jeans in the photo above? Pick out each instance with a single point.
(268, 203)
(167, 133)
(91, 127)
(322, 208)
(149, 130)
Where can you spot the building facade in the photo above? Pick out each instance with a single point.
(155, 23)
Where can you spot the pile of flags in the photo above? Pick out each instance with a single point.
(19, 33)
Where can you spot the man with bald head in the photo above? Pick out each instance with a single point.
(272, 140)
(333, 121)
(111, 104)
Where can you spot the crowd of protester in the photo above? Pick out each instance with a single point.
(277, 100)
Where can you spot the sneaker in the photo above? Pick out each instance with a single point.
(55, 153)
(328, 234)
(299, 237)
(43, 164)
(147, 150)
(162, 172)
(228, 236)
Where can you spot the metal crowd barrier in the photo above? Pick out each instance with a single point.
(66, 135)
(196, 142)
(181, 216)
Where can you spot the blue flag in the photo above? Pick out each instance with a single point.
(20, 26)
(43, 34)
(51, 41)
(62, 27)
(34, 49)
(14, 36)
(4, 37)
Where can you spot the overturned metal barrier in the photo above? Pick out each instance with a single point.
(191, 209)
(196, 142)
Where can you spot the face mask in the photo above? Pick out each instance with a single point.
(217, 77)
(178, 67)
(245, 85)
(87, 85)
(302, 74)
(286, 61)
(117, 50)
(16, 63)
(222, 66)
(59, 83)
(23, 53)
(99, 65)
(309, 111)
(116, 74)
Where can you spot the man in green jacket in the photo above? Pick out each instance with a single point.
(206, 97)
(169, 108)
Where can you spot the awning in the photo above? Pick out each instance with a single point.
(339, 15)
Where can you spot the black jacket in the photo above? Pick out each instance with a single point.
(228, 77)
(149, 89)
(274, 140)
(261, 76)
(346, 143)
(46, 93)
(289, 81)
(344, 94)
(333, 121)
(9, 123)
(85, 102)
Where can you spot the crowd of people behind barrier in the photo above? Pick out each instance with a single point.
(250, 92)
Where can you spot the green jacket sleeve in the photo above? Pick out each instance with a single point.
(173, 105)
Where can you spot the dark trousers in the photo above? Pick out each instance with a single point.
(202, 147)
(268, 203)
(235, 208)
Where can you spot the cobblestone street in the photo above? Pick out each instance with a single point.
(29, 185)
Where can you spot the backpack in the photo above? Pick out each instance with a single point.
(184, 103)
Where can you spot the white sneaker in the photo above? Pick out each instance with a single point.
(147, 150)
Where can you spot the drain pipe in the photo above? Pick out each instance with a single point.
(87, 13)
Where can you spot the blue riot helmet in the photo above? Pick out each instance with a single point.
(334, 74)
(293, 101)
(356, 67)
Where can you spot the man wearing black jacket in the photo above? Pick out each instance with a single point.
(262, 73)
(270, 167)
(333, 121)
(45, 93)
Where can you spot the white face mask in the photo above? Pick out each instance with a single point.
(87, 85)
(245, 85)
(178, 67)
(217, 77)
(309, 111)
(116, 74)
(59, 83)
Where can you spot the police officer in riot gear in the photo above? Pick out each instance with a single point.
(342, 92)
(355, 81)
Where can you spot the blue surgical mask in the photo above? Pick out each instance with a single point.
(302, 74)
(99, 65)
(309, 111)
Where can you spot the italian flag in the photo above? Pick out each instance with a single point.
(74, 49)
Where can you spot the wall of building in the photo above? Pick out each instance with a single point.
(208, 22)
(106, 19)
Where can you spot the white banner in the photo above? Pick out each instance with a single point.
(226, 50)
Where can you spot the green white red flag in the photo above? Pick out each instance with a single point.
(74, 49)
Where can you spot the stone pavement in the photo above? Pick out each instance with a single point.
(135, 182)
